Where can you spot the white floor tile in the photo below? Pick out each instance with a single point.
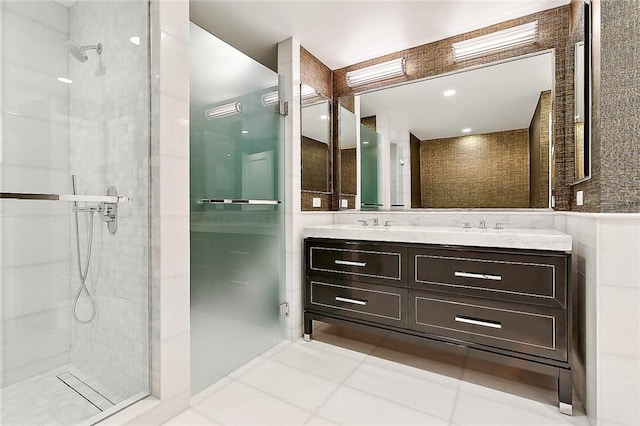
(190, 417)
(306, 356)
(238, 403)
(207, 392)
(352, 407)
(418, 391)
(496, 408)
(290, 384)
(247, 367)
(269, 353)
(319, 421)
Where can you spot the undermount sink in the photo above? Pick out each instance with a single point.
(523, 238)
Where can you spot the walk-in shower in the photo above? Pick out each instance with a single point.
(74, 253)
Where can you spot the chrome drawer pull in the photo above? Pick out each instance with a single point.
(480, 276)
(350, 263)
(479, 322)
(354, 301)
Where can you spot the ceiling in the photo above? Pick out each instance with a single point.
(489, 99)
(341, 33)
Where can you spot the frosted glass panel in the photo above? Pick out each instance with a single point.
(370, 199)
(237, 253)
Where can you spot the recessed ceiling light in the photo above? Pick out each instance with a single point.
(466, 130)
(365, 142)
(323, 117)
(244, 132)
(449, 92)
(135, 40)
(65, 80)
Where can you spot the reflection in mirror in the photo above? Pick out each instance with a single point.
(347, 136)
(316, 144)
(369, 166)
(483, 134)
(396, 162)
(582, 93)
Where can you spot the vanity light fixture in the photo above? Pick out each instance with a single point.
(270, 98)
(307, 91)
(449, 92)
(224, 110)
(382, 71)
(494, 42)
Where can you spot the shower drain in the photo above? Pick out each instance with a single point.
(85, 391)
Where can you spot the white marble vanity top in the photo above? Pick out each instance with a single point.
(536, 239)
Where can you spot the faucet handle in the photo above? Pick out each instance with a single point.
(499, 225)
(388, 222)
(466, 225)
(482, 224)
(363, 222)
(374, 221)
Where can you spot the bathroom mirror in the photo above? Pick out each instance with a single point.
(348, 136)
(483, 135)
(316, 144)
(582, 100)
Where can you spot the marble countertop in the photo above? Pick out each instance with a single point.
(535, 239)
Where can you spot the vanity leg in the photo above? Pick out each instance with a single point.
(308, 330)
(565, 392)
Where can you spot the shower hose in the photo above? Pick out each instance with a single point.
(83, 272)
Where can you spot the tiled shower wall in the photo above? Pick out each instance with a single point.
(34, 256)
(109, 144)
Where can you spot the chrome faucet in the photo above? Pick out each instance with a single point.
(374, 221)
(363, 222)
(482, 224)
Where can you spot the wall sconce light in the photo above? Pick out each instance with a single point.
(494, 42)
(389, 69)
(307, 92)
(270, 98)
(223, 110)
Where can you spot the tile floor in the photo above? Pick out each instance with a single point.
(349, 377)
(46, 400)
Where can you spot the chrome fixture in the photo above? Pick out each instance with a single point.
(78, 51)
(388, 223)
(270, 98)
(500, 40)
(466, 225)
(223, 110)
(363, 222)
(238, 201)
(382, 71)
(499, 225)
(374, 221)
(482, 224)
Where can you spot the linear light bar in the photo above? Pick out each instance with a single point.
(224, 110)
(495, 42)
(307, 92)
(270, 98)
(389, 69)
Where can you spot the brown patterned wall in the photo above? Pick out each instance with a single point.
(348, 172)
(454, 172)
(320, 77)
(436, 58)
(539, 153)
(315, 165)
(615, 182)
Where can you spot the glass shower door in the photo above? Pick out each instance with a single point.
(237, 250)
(74, 197)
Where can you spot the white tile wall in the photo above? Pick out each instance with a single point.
(34, 255)
(109, 145)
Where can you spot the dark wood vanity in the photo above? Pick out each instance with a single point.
(510, 306)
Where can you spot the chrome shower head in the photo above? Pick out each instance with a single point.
(78, 51)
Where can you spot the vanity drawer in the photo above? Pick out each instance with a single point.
(369, 302)
(525, 278)
(521, 328)
(378, 263)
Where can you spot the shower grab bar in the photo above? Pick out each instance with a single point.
(238, 201)
(110, 199)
